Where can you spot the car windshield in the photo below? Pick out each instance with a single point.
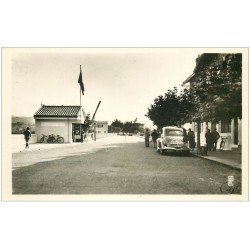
(172, 132)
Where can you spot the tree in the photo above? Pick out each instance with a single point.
(116, 126)
(127, 127)
(218, 87)
(187, 107)
(172, 109)
(87, 122)
(132, 127)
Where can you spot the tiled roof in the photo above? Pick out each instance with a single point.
(58, 111)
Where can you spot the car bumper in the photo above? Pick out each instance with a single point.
(181, 150)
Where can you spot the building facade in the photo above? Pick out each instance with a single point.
(229, 129)
(101, 127)
(66, 121)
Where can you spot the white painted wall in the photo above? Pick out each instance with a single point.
(101, 130)
(229, 136)
(19, 139)
(239, 132)
(62, 127)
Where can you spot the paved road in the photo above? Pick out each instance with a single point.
(116, 166)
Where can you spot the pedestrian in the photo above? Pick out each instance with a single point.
(147, 135)
(73, 135)
(27, 135)
(185, 137)
(215, 136)
(154, 136)
(191, 139)
(208, 137)
(82, 135)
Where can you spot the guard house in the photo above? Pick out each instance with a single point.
(66, 121)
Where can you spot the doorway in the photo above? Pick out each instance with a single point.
(77, 132)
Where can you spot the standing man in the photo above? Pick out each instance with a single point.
(147, 135)
(154, 136)
(191, 139)
(27, 135)
(215, 136)
(185, 136)
(82, 134)
(208, 136)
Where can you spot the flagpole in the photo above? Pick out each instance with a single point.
(80, 91)
(80, 108)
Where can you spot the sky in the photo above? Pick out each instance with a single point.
(125, 80)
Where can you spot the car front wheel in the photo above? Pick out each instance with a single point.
(162, 151)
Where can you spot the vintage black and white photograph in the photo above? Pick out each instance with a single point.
(129, 122)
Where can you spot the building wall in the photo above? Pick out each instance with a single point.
(19, 139)
(239, 132)
(229, 135)
(101, 127)
(62, 127)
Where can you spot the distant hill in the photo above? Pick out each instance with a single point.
(20, 123)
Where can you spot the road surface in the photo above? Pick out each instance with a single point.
(116, 165)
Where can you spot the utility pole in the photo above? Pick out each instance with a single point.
(93, 117)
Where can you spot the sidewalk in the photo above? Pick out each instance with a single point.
(229, 158)
(16, 148)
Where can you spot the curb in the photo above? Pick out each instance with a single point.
(219, 162)
(55, 146)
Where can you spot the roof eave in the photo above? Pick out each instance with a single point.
(189, 78)
(55, 116)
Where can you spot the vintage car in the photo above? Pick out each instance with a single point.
(172, 140)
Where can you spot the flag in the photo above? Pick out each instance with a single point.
(80, 81)
(135, 120)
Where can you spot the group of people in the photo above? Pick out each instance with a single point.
(211, 138)
(154, 136)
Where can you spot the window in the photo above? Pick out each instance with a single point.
(225, 127)
(173, 132)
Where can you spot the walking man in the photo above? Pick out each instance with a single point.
(208, 136)
(154, 136)
(147, 135)
(215, 136)
(27, 135)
